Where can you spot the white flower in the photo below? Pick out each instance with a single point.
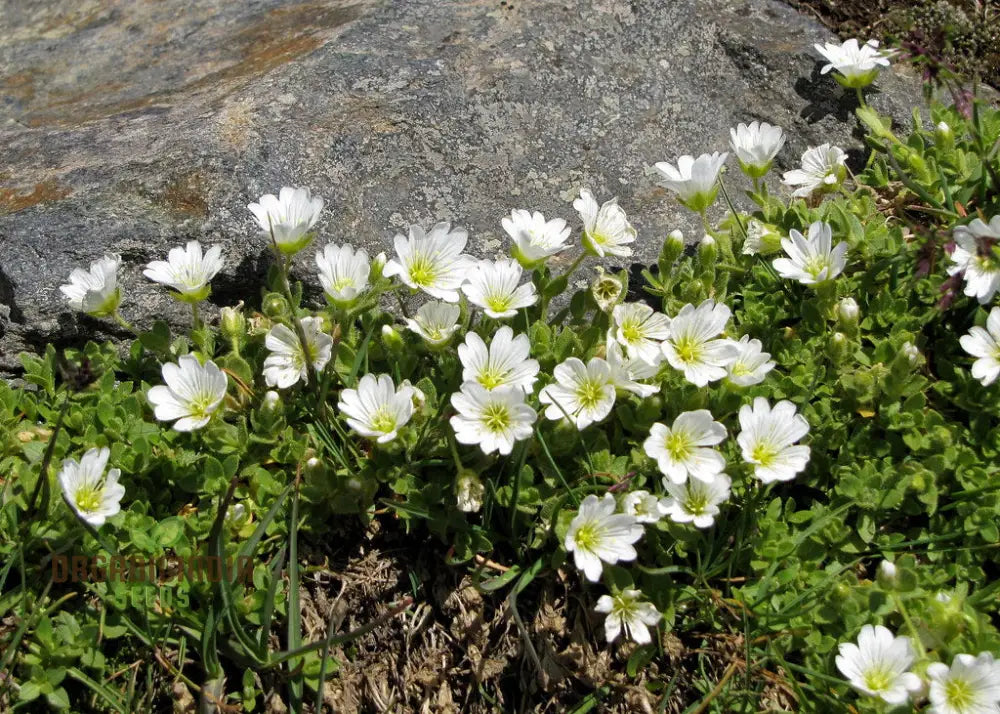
(94, 292)
(377, 409)
(93, 496)
(469, 492)
(693, 347)
(505, 363)
(756, 144)
(193, 391)
(985, 346)
(823, 168)
(978, 263)
(878, 664)
(767, 438)
(628, 611)
(286, 364)
(750, 364)
(640, 330)
(606, 230)
(643, 505)
(535, 239)
(812, 260)
(693, 180)
(187, 270)
(626, 370)
(492, 418)
(695, 501)
(912, 352)
(970, 686)
(343, 273)
(682, 449)
(494, 287)
(432, 262)
(435, 322)
(582, 393)
(289, 217)
(857, 65)
(598, 535)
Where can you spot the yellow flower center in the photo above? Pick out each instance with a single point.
(877, 679)
(422, 271)
(678, 445)
(89, 498)
(496, 417)
(696, 503)
(341, 283)
(383, 421)
(815, 266)
(632, 331)
(587, 536)
(590, 393)
(498, 303)
(958, 693)
(763, 454)
(688, 350)
(491, 377)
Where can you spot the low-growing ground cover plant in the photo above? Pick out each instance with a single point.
(765, 470)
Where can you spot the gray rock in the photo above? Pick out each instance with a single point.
(132, 127)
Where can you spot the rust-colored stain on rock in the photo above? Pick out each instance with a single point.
(260, 45)
(14, 200)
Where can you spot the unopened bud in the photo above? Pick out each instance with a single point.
(944, 137)
(469, 491)
(837, 347)
(391, 339)
(378, 262)
(271, 401)
(233, 324)
(275, 305)
(887, 575)
(708, 251)
(673, 246)
(847, 314)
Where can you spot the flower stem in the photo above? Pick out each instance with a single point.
(195, 319)
(861, 97)
(124, 323)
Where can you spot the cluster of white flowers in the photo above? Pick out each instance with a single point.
(879, 666)
(976, 257)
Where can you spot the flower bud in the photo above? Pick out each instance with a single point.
(313, 468)
(673, 246)
(847, 315)
(469, 491)
(911, 353)
(391, 339)
(606, 289)
(271, 401)
(887, 575)
(837, 347)
(378, 262)
(274, 305)
(944, 137)
(762, 238)
(233, 325)
(708, 251)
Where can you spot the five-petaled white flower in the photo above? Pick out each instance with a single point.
(985, 346)
(289, 217)
(627, 610)
(684, 448)
(435, 322)
(768, 437)
(693, 180)
(432, 262)
(343, 273)
(187, 270)
(643, 505)
(695, 501)
(812, 260)
(626, 370)
(973, 256)
(750, 364)
(878, 665)
(193, 391)
(694, 345)
(535, 239)
(606, 230)
(505, 363)
(377, 409)
(856, 65)
(640, 330)
(970, 686)
(492, 418)
(287, 364)
(93, 496)
(598, 535)
(755, 145)
(494, 287)
(94, 292)
(823, 169)
(582, 393)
